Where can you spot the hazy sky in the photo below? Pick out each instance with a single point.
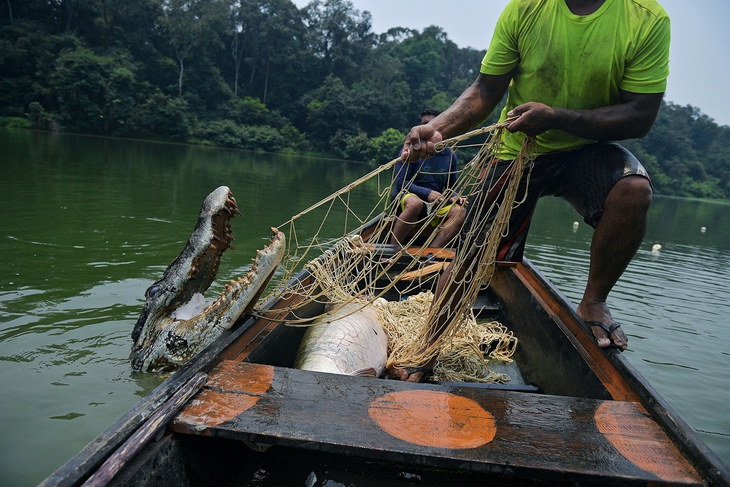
(699, 55)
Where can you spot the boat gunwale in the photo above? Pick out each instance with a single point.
(81, 466)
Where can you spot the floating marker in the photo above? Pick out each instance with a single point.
(703, 229)
(656, 248)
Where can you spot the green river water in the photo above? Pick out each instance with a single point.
(86, 224)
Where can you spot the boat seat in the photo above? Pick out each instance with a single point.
(441, 426)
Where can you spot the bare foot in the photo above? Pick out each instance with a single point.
(607, 335)
(414, 374)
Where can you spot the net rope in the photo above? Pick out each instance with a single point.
(344, 267)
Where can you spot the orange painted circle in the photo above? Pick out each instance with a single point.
(638, 441)
(227, 394)
(433, 418)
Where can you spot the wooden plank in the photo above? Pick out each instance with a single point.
(625, 381)
(436, 253)
(424, 271)
(538, 436)
(84, 463)
(433, 252)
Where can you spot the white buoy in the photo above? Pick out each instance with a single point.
(575, 226)
(656, 248)
(703, 229)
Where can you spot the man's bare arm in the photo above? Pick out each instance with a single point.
(632, 118)
(469, 110)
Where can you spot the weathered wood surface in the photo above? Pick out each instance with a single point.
(134, 444)
(84, 463)
(432, 252)
(490, 431)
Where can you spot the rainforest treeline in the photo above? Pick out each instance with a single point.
(266, 75)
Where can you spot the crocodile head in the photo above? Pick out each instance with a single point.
(176, 323)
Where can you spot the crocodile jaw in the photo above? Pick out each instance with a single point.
(180, 340)
(162, 342)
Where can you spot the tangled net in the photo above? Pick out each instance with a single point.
(344, 267)
(463, 358)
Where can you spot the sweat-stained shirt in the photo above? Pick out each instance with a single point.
(577, 62)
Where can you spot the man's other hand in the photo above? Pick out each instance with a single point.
(532, 118)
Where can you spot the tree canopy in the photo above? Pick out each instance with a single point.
(266, 75)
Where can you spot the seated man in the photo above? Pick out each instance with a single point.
(419, 188)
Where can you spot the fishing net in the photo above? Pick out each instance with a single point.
(342, 244)
(465, 357)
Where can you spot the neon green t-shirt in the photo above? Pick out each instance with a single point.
(577, 62)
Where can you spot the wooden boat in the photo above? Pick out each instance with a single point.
(573, 414)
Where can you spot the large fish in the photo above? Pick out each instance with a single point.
(349, 340)
(176, 322)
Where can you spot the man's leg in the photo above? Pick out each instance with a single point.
(404, 222)
(451, 226)
(617, 237)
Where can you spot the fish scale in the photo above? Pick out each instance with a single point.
(347, 340)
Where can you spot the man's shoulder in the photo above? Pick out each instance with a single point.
(651, 6)
(527, 6)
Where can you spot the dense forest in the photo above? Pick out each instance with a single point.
(266, 75)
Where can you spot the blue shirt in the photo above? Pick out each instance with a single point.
(423, 176)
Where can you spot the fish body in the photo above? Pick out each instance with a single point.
(348, 339)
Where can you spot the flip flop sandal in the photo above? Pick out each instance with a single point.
(608, 330)
(427, 373)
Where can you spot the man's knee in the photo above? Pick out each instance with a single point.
(411, 208)
(413, 202)
(633, 192)
(457, 214)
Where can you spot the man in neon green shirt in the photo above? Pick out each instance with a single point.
(580, 74)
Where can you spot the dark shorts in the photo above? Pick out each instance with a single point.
(582, 177)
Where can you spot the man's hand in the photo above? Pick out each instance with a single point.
(419, 143)
(532, 118)
(434, 196)
(630, 119)
(471, 108)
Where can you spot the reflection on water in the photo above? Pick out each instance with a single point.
(87, 223)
